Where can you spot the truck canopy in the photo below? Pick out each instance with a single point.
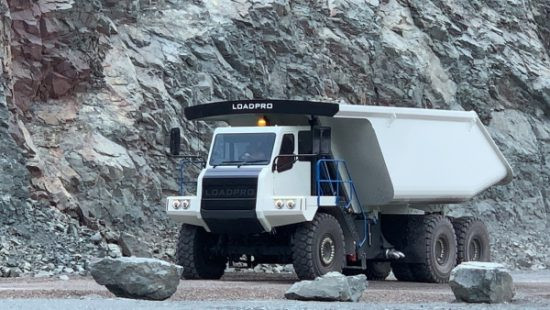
(395, 155)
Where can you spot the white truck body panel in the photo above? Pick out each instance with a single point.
(291, 185)
(430, 155)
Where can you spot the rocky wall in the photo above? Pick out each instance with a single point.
(97, 85)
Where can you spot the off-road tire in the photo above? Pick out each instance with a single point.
(402, 272)
(192, 254)
(378, 271)
(438, 240)
(471, 237)
(306, 247)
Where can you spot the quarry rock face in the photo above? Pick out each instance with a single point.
(332, 286)
(90, 89)
(481, 282)
(139, 278)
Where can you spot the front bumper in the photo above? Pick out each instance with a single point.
(268, 212)
(191, 215)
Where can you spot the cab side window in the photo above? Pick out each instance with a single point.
(285, 163)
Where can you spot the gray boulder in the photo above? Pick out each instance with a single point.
(481, 282)
(136, 277)
(333, 286)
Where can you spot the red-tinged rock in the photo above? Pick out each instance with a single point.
(52, 27)
(60, 85)
(16, 5)
(23, 15)
(24, 27)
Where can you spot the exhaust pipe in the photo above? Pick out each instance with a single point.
(394, 254)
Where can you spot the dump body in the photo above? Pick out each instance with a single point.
(396, 155)
(406, 155)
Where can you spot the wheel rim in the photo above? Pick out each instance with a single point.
(442, 250)
(474, 250)
(327, 250)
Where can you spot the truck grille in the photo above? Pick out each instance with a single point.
(229, 193)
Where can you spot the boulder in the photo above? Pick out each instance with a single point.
(481, 282)
(332, 286)
(136, 277)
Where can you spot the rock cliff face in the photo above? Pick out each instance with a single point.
(89, 90)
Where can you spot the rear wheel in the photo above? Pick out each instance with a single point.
(472, 240)
(318, 247)
(439, 246)
(194, 255)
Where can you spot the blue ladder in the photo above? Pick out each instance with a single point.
(343, 188)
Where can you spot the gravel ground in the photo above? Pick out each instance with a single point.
(257, 291)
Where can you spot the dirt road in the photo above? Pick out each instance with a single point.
(252, 290)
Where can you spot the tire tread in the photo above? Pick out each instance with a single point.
(187, 257)
(424, 272)
(461, 226)
(303, 247)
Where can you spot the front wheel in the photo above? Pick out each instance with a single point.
(318, 247)
(193, 253)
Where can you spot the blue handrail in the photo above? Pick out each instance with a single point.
(336, 188)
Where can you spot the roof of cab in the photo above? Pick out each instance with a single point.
(216, 110)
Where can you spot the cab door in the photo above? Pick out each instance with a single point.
(291, 177)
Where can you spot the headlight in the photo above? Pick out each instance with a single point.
(279, 204)
(183, 204)
(290, 204)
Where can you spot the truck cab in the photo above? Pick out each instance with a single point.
(252, 182)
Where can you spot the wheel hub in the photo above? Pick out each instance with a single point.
(441, 250)
(327, 250)
(474, 250)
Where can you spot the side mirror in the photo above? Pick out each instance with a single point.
(175, 141)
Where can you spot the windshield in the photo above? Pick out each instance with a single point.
(242, 149)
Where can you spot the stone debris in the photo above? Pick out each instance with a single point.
(136, 277)
(332, 286)
(114, 250)
(482, 282)
(131, 246)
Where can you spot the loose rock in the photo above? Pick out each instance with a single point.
(114, 250)
(96, 238)
(481, 282)
(135, 277)
(131, 246)
(333, 286)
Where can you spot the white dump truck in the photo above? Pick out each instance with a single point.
(336, 187)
